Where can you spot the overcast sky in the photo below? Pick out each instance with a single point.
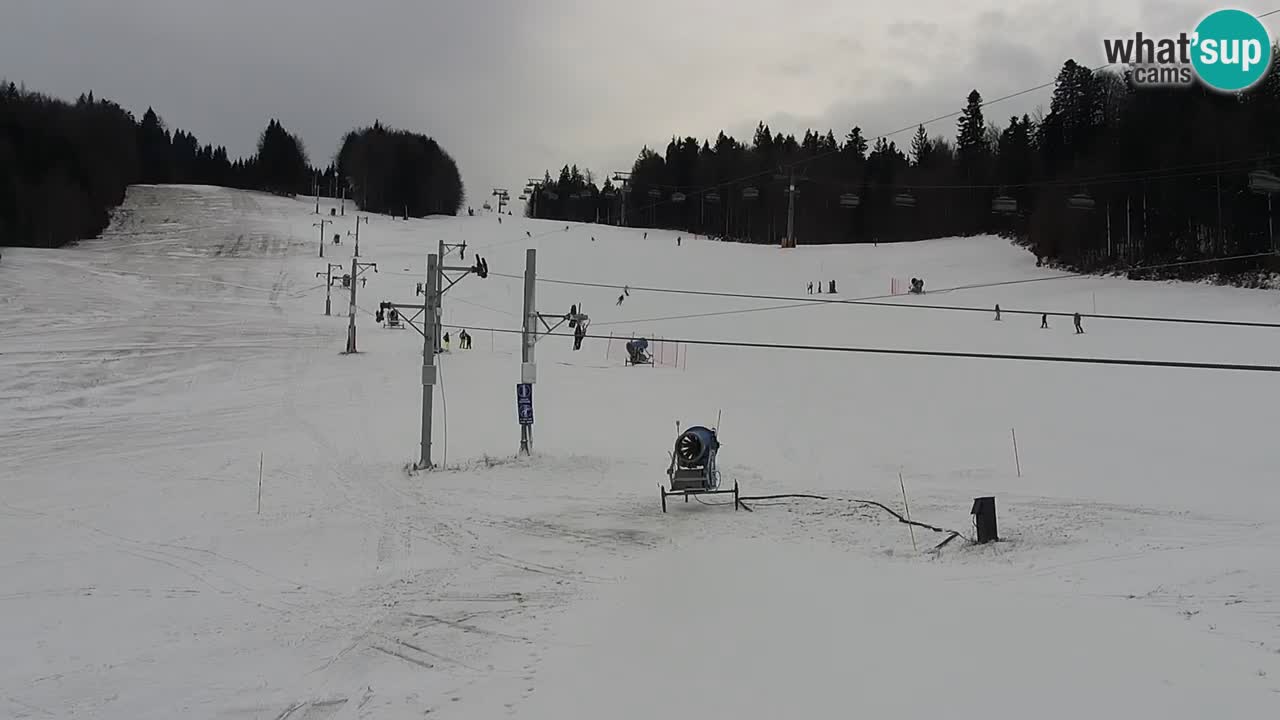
(512, 88)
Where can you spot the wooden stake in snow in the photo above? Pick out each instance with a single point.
(1016, 462)
(908, 509)
(261, 457)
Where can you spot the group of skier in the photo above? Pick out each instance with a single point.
(1044, 320)
(464, 341)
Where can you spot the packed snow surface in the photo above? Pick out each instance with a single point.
(150, 377)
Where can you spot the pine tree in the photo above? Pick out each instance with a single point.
(282, 161)
(154, 148)
(921, 148)
(971, 135)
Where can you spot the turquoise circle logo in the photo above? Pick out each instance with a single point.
(1232, 50)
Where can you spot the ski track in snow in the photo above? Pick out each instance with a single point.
(145, 373)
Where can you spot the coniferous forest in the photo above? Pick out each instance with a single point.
(1109, 177)
(65, 166)
(398, 172)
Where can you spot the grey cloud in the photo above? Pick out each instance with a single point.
(221, 70)
(792, 67)
(917, 29)
(513, 88)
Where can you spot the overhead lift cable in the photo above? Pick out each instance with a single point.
(1067, 359)
(879, 300)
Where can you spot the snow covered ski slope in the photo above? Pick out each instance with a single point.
(147, 376)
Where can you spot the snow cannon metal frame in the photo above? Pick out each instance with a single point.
(693, 469)
(638, 353)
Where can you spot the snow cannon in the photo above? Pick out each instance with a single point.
(696, 450)
(637, 353)
(693, 469)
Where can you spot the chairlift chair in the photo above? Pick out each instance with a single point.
(1004, 205)
(1264, 182)
(1081, 201)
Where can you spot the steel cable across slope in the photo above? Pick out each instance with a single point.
(1065, 359)
(876, 300)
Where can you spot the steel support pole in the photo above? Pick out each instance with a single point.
(527, 338)
(351, 312)
(428, 361)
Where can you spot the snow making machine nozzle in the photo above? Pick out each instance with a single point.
(693, 469)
